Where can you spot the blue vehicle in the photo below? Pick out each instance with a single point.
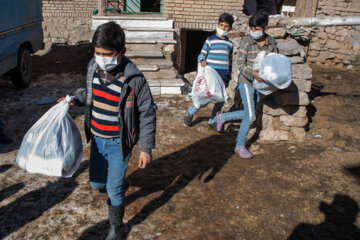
(20, 35)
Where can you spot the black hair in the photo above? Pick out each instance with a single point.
(109, 36)
(225, 17)
(259, 19)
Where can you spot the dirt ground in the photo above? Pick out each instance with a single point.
(196, 187)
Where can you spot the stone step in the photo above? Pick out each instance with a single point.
(165, 86)
(148, 41)
(148, 68)
(143, 47)
(144, 54)
(153, 35)
(129, 21)
(161, 62)
(160, 74)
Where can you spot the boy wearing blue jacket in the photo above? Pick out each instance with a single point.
(216, 52)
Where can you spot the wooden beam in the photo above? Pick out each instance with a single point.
(102, 7)
(306, 8)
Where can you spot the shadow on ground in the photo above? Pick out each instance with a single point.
(170, 174)
(32, 205)
(340, 217)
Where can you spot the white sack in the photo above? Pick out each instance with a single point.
(208, 87)
(275, 70)
(53, 145)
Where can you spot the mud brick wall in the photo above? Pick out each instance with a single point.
(199, 14)
(337, 46)
(67, 21)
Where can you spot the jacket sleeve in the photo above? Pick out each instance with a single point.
(147, 119)
(204, 51)
(244, 69)
(80, 97)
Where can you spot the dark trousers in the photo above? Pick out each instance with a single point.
(253, 6)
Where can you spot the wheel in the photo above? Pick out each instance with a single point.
(21, 75)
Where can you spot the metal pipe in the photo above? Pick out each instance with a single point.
(316, 21)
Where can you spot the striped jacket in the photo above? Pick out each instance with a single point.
(217, 53)
(247, 53)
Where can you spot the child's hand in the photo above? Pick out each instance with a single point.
(203, 63)
(62, 98)
(144, 160)
(256, 76)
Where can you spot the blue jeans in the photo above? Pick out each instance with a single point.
(217, 107)
(107, 168)
(248, 94)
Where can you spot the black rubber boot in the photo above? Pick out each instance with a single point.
(187, 119)
(117, 226)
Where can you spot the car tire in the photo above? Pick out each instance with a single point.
(21, 75)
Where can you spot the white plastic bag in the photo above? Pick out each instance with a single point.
(275, 70)
(208, 87)
(53, 145)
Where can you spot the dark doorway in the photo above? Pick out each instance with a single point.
(150, 6)
(193, 45)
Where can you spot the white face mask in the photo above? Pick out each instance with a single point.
(256, 35)
(221, 33)
(107, 63)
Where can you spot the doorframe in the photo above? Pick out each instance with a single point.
(161, 8)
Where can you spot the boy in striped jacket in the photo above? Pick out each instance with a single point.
(216, 52)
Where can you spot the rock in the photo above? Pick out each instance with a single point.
(302, 84)
(315, 46)
(169, 48)
(290, 47)
(321, 35)
(274, 135)
(313, 53)
(326, 55)
(277, 32)
(332, 44)
(330, 30)
(293, 121)
(298, 134)
(286, 110)
(301, 71)
(297, 60)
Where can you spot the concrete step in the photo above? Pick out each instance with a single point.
(165, 86)
(144, 54)
(160, 74)
(143, 47)
(148, 68)
(153, 35)
(130, 21)
(161, 62)
(148, 41)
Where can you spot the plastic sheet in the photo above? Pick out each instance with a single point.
(53, 145)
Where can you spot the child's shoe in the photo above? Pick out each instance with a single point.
(220, 124)
(188, 118)
(243, 152)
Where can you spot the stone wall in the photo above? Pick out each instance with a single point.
(337, 46)
(199, 14)
(67, 21)
(338, 8)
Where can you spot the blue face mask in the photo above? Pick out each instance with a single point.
(256, 35)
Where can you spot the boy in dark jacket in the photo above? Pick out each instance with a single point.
(119, 111)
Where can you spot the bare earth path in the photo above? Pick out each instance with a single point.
(196, 187)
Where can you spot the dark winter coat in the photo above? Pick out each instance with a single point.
(137, 111)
